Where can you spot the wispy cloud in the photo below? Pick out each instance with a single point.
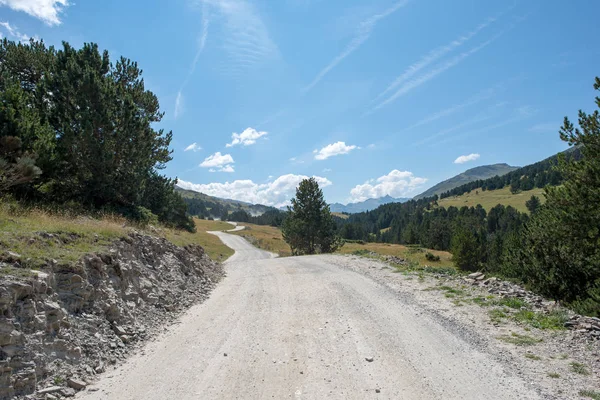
(201, 44)
(478, 98)
(46, 10)
(545, 127)
(247, 40)
(178, 105)
(433, 56)
(14, 32)
(193, 147)
(334, 149)
(467, 158)
(363, 32)
(415, 83)
(246, 138)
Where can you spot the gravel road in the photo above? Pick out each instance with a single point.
(308, 328)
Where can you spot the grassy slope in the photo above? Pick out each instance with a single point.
(38, 237)
(265, 237)
(491, 198)
(270, 238)
(211, 243)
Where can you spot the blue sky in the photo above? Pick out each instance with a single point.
(372, 97)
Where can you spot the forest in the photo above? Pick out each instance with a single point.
(78, 132)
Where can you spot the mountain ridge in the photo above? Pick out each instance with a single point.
(367, 205)
(470, 175)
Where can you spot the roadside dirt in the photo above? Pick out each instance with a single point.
(332, 327)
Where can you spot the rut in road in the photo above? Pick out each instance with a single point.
(303, 328)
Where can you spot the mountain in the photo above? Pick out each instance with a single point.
(366, 205)
(204, 205)
(470, 175)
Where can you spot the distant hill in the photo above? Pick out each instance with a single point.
(470, 175)
(369, 204)
(203, 205)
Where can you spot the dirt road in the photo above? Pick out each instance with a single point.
(307, 328)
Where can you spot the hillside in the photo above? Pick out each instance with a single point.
(369, 204)
(203, 205)
(491, 198)
(470, 175)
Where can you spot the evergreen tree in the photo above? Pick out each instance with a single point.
(309, 227)
(561, 255)
(533, 204)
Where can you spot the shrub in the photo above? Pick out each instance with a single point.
(431, 257)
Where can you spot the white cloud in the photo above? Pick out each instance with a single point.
(333, 149)
(14, 32)
(246, 138)
(46, 10)
(327, 170)
(464, 159)
(218, 162)
(395, 184)
(363, 32)
(276, 193)
(178, 105)
(193, 147)
(371, 146)
(293, 159)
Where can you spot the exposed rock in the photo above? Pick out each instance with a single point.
(76, 384)
(71, 320)
(369, 359)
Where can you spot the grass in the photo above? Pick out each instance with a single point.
(41, 236)
(497, 315)
(520, 340)
(554, 320)
(411, 254)
(340, 215)
(490, 198)
(265, 237)
(579, 368)
(554, 375)
(592, 394)
(211, 243)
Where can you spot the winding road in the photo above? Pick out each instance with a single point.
(307, 328)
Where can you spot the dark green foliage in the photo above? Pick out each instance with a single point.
(88, 125)
(431, 257)
(16, 167)
(533, 204)
(560, 255)
(308, 227)
(536, 175)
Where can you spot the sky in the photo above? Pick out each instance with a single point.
(372, 98)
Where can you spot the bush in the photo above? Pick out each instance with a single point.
(431, 257)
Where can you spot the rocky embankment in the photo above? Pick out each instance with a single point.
(64, 325)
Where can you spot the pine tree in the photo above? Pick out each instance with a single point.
(561, 255)
(309, 227)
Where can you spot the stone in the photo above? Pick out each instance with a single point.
(369, 359)
(476, 275)
(377, 390)
(76, 384)
(51, 389)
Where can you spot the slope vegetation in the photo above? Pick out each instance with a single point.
(470, 175)
(491, 198)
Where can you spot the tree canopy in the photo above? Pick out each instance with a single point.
(88, 124)
(309, 227)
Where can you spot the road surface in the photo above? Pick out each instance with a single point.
(307, 328)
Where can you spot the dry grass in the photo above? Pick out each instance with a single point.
(211, 243)
(265, 237)
(40, 236)
(340, 215)
(409, 253)
(491, 198)
(269, 238)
